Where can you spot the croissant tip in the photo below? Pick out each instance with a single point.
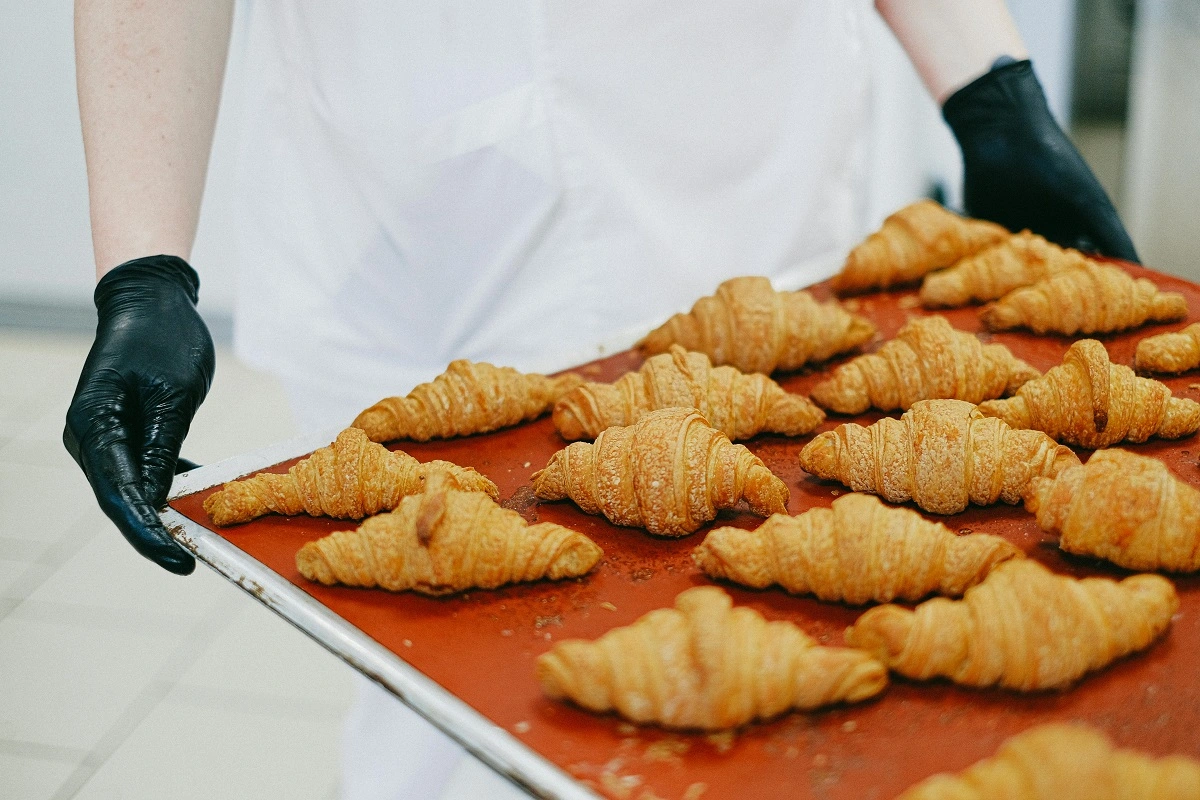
(819, 457)
(374, 423)
(313, 566)
(567, 422)
(882, 632)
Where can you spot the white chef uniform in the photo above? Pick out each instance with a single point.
(524, 182)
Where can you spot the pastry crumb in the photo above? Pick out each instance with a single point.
(694, 791)
(1194, 385)
(506, 632)
(608, 606)
(526, 464)
(620, 786)
(649, 795)
(408, 642)
(547, 621)
(820, 760)
(722, 741)
(521, 727)
(669, 749)
(849, 726)
(626, 729)
(909, 301)
(546, 636)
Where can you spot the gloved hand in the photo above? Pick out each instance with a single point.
(1019, 168)
(147, 373)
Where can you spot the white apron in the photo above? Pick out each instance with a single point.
(527, 182)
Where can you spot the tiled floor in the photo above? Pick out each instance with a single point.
(120, 680)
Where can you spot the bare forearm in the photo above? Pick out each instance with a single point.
(149, 76)
(952, 42)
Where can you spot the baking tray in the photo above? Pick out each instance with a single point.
(466, 662)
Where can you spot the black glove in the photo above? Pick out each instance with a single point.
(1021, 170)
(147, 373)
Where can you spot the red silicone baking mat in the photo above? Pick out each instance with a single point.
(481, 646)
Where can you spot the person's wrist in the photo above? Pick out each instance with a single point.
(167, 273)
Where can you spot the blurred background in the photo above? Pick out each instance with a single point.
(123, 681)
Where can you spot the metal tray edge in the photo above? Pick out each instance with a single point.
(486, 741)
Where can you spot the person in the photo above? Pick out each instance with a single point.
(519, 182)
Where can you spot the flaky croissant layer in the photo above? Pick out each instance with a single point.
(444, 541)
(941, 454)
(469, 397)
(859, 550)
(705, 664)
(350, 479)
(927, 360)
(1022, 628)
(1169, 352)
(915, 240)
(1019, 260)
(749, 325)
(739, 405)
(668, 473)
(1065, 762)
(1094, 298)
(1089, 401)
(1126, 508)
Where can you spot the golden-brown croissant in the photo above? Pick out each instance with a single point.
(350, 479)
(444, 540)
(668, 473)
(917, 239)
(469, 397)
(858, 551)
(737, 404)
(1091, 402)
(927, 360)
(1022, 628)
(941, 454)
(706, 665)
(1123, 507)
(749, 325)
(1095, 298)
(1019, 260)
(1065, 762)
(1169, 352)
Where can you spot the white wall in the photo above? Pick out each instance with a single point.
(1162, 163)
(45, 239)
(46, 254)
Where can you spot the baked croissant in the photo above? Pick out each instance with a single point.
(917, 239)
(1065, 762)
(1091, 402)
(858, 551)
(469, 397)
(750, 326)
(1123, 507)
(1019, 260)
(444, 541)
(668, 473)
(706, 665)
(737, 404)
(1095, 298)
(941, 454)
(927, 360)
(1022, 628)
(350, 479)
(1169, 352)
